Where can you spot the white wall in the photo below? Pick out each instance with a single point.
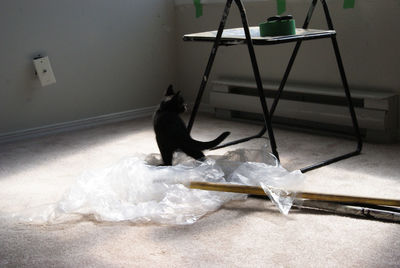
(107, 56)
(113, 56)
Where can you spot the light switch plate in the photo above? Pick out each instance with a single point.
(44, 71)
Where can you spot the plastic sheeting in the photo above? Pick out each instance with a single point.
(136, 189)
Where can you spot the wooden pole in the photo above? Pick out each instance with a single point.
(256, 190)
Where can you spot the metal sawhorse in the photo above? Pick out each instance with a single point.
(251, 38)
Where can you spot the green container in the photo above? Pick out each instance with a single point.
(277, 28)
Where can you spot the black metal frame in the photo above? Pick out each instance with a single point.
(267, 127)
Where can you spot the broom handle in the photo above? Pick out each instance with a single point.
(256, 190)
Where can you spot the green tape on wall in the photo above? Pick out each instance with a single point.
(281, 5)
(349, 3)
(199, 8)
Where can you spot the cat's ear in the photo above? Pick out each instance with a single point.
(170, 91)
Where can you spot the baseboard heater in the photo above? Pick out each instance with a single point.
(314, 108)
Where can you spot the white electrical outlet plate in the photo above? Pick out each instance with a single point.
(44, 71)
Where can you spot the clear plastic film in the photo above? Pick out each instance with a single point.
(136, 189)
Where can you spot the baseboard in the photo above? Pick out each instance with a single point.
(204, 108)
(76, 124)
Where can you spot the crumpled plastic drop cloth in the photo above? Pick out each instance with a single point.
(136, 189)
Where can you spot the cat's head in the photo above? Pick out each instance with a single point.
(173, 102)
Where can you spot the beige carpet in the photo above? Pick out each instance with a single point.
(248, 233)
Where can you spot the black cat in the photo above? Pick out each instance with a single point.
(171, 132)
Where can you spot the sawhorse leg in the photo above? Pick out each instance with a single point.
(344, 82)
(267, 119)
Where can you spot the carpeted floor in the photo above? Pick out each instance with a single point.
(249, 233)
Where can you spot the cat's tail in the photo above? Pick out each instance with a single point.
(210, 144)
